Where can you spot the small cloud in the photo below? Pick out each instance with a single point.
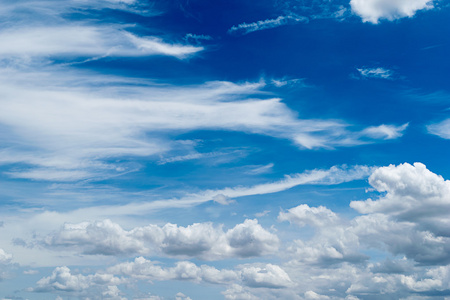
(260, 169)
(197, 37)
(244, 28)
(262, 214)
(387, 132)
(30, 272)
(380, 73)
(282, 82)
(222, 199)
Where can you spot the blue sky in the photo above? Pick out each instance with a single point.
(224, 149)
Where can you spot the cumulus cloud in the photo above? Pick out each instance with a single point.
(246, 28)
(314, 216)
(259, 275)
(62, 279)
(333, 242)
(412, 216)
(269, 276)
(374, 10)
(202, 240)
(413, 194)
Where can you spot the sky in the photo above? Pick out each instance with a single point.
(226, 149)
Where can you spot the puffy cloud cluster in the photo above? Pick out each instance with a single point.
(333, 243)
(202, 240)
(412, 218)
(374, 10)
(106, 283)
(97, 286)
(405, 225)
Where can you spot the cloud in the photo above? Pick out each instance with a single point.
(332, 176)
(314, 216)
(201, 240)
(412, 216)
(244, 28)
(375, 73)
(441, 129)
(238, 292)
(387, 132)
(63, 280)
(269, 276)
(333, 243)
(374, 10)
(84, 41)
(181, 296)
(66, 125)
(251, 275)
(4, 257)
(262, 169)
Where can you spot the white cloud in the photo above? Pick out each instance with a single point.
(269, 276)
(374, 10)
(4, 257)
(245, 28)
(375, 73)
(387, 132)
(181, 296)
(314, 216)
(333, 243)
(441, 129)
(144, 269)
(201, 240)
(255, 170)
(62, 279)
(313, 295)
(251, 275)
(412, 217)
(238, 292)
(63, 125)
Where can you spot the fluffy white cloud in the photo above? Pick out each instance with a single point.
(257, 276)
(412, 217)
(269, 276)
(238, 292)
(314, 216)
(333, 242)
(144, 269)
(62, 279)
(202, 240)
(413, 194)
(374, 10)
